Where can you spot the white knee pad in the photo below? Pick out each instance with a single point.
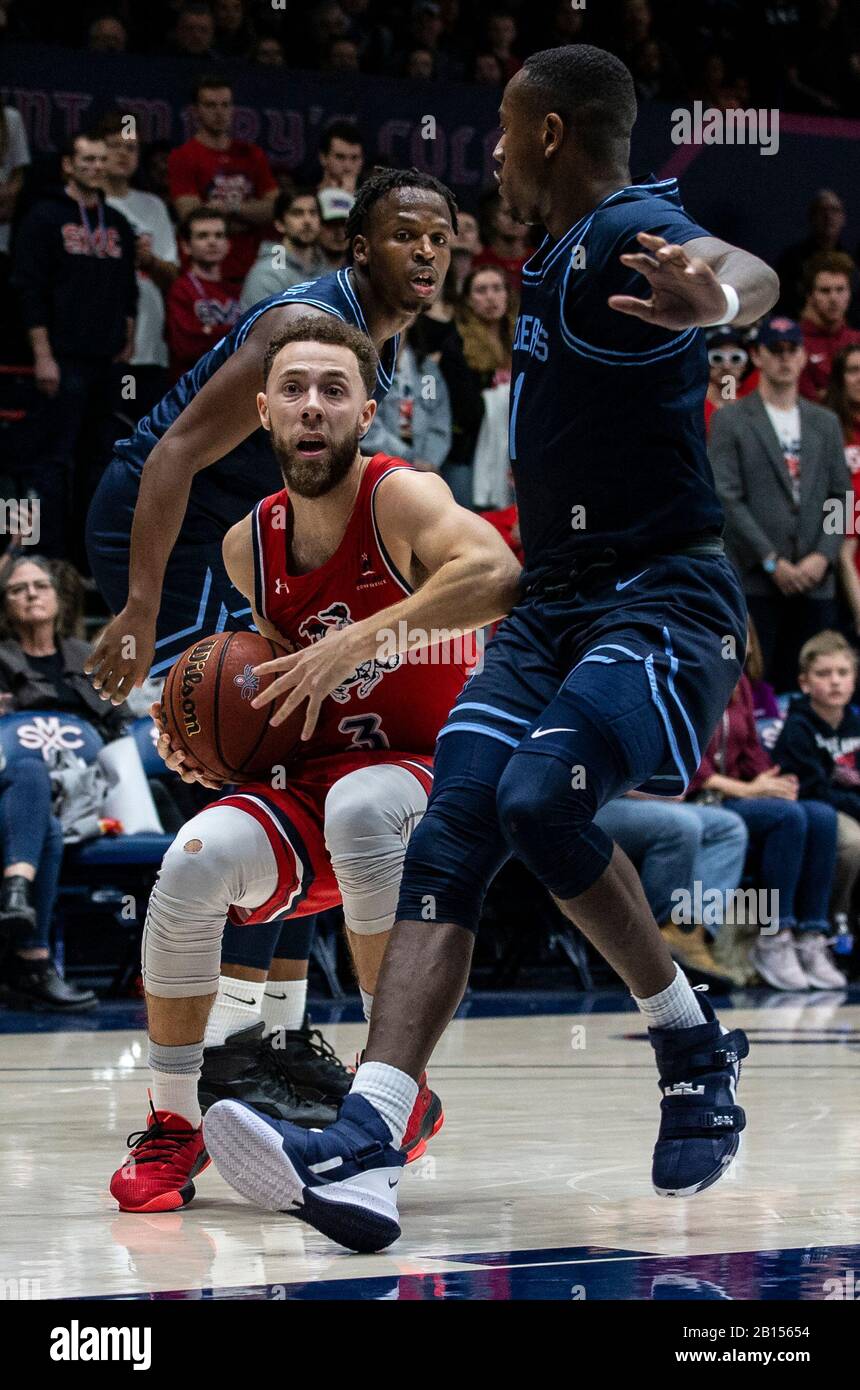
(369, 817)
(220, 857)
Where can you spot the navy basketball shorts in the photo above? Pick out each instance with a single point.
(615, 686)
(198, 597)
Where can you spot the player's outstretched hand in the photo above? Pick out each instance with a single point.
(175, 758)
(309, 674)
(685, 291)
(122, 656)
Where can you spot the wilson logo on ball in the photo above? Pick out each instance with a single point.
(192, 675)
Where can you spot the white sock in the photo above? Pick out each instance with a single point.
(178, 1094)
(674, 1007)
(366, 1003)
(237, 1006)
(389, 1091)
(284, 1005)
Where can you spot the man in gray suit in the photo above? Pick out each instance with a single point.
(777, 458)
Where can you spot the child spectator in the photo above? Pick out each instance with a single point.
(818, 745)
(200, 307)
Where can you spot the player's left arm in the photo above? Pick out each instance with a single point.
(687, 283)
(465, 577)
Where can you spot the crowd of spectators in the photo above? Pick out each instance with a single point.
(117, 277)
(801, 55)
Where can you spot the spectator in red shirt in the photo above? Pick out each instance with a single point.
(825, 331)
(505, 243)
(229, 176)
(201, 307)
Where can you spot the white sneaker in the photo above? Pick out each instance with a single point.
(776, 960)
(817, 962)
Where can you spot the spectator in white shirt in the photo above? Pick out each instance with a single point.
(157, 260)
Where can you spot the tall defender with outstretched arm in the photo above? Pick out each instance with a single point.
(610, 673)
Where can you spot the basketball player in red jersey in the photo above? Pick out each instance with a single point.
(378, 563)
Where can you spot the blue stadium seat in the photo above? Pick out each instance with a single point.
(144, 734)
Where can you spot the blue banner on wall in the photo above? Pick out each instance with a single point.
(754, 199)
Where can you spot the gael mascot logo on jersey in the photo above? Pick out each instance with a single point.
(365, 676)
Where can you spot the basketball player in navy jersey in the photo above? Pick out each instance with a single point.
(192, 469)
(610, 673)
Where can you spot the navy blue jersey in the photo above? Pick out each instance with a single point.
(607, 425)
(230, 487)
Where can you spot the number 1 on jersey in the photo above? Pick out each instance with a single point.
(512, 427)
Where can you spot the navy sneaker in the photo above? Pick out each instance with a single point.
(341, 1180)
(700, 1123)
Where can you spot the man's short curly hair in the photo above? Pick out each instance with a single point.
(383, 181)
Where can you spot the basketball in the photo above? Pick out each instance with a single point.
(206, 708)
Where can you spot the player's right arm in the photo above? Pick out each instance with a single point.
(215, 421)
(238, 555)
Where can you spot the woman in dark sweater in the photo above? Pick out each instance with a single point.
(41, 667)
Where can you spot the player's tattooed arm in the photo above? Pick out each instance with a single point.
(686, 282)
(215, 421)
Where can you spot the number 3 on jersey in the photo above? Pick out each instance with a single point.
(366, 730)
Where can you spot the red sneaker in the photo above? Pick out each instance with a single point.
(427, 1119)
(164, 1158)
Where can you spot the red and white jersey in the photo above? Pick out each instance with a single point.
(395, 700)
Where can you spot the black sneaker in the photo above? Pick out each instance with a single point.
(241, 1070)
(36, 985)
(309, 1063)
